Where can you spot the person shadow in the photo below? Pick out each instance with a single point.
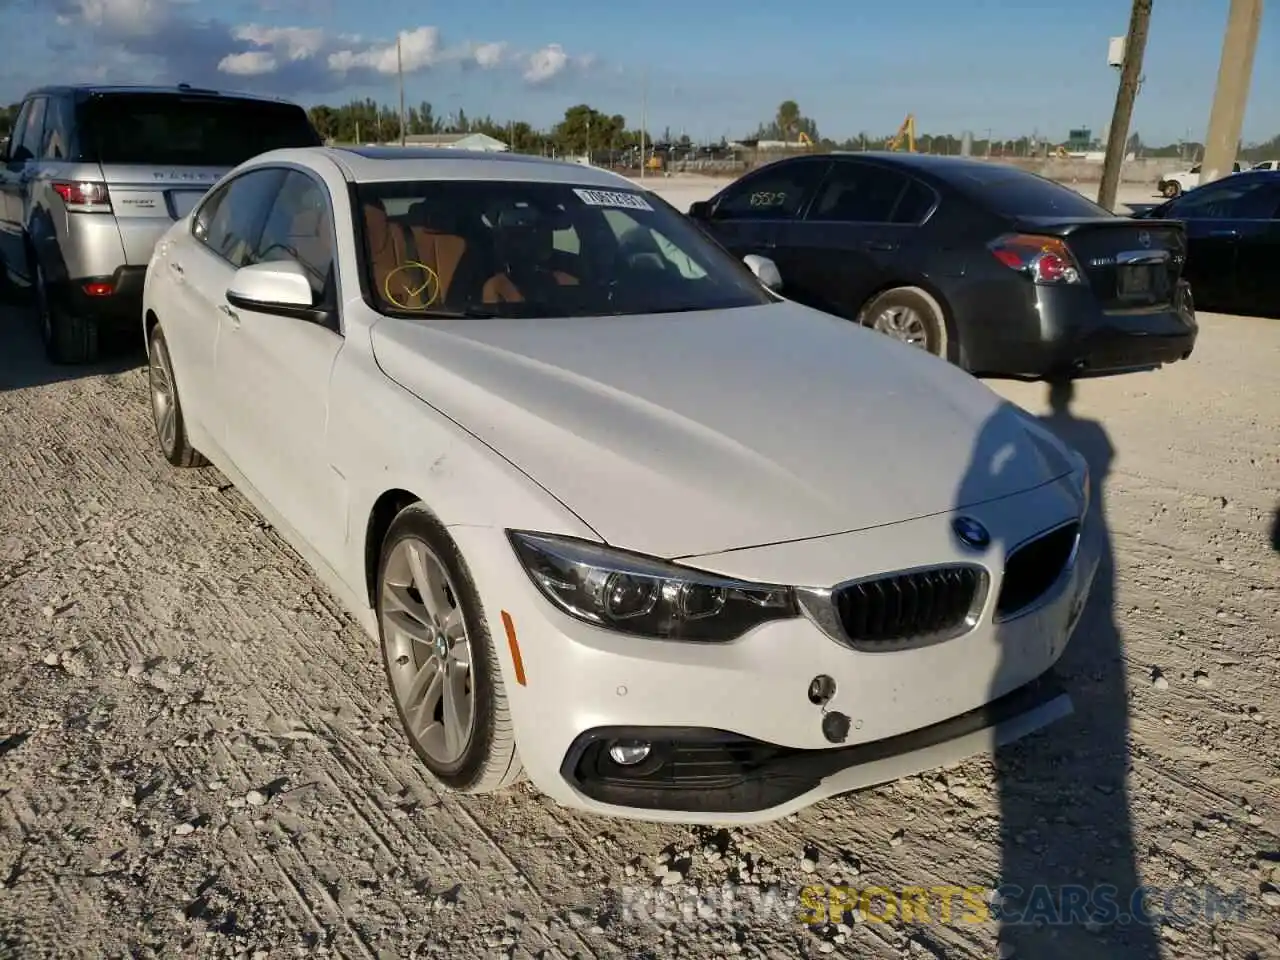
(1068, 880)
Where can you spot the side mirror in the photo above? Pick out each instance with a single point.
(280, 288)
(700, 210)
(766, 270)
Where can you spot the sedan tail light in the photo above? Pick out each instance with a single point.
(85, 196)
(1045, 259)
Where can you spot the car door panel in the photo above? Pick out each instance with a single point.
(847, 246)
(274, 373)
(1257, 280)
(12, 186)
(1226, 221)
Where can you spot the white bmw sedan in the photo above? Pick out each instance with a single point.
(620, 518)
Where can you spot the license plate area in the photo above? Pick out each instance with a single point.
(1141, 282)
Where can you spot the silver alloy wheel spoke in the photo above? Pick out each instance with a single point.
(162, 397)
(903, 323)
(429, 650)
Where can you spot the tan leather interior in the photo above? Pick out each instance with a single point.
(435, 244)
(500, 288)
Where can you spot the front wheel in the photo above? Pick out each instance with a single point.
(910, 315)
(441, 664)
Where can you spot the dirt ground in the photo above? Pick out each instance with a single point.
(198, 756)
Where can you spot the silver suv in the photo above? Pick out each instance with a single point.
(93, 175)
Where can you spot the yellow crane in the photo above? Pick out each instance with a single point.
(908, 132)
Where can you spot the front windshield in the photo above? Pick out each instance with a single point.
(511, 248)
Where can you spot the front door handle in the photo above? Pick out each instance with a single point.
(1224, 233)
(231, 315)
(881, 245)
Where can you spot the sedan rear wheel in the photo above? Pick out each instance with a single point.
(442, 668)
(910, 315)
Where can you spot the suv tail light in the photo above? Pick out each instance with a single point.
(86, 195)
(1045, 259)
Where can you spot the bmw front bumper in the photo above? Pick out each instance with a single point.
(734, 734)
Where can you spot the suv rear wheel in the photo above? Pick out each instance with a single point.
(68, 339)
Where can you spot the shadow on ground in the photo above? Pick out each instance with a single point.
(1275, 530)
(1068, 863)
(23, 362)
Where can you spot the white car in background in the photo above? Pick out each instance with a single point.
(1266, 165)
(1179, 182)
(619, 518)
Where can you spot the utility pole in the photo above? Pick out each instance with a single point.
(644, 118)
(1235, 74)
(1135, 45)
(400, 73)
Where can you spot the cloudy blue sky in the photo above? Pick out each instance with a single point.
(713, 67)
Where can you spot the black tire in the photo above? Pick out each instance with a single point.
(176, 447)
(922, 305)
(489, 761)
(69, 339)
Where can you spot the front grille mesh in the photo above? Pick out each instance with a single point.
(908, 609)
(1034, 567)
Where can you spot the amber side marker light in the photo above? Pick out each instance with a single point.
(516, 659)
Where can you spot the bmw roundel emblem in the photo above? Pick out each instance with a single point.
(971, 532)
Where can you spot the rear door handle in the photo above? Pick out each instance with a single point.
(1224, 233)
(883, 245)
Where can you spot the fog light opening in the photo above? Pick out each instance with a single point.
(627, 753)
(821, 689)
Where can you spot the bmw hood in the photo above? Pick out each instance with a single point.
(693, 433)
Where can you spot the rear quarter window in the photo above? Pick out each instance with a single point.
(173, 129)
(1027, 196)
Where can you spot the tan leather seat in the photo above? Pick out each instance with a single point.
(435, 243)
(406, 289)
(500, 288)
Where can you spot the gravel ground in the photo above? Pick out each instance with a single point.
(198, 756)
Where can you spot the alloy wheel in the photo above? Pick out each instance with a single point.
(905, 324)
(428, 651)
(163, 407)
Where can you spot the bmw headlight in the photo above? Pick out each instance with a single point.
(645, 596)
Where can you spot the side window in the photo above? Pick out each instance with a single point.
(15, 135)
(915, 204)
(858, 193)
(299, 228)
(237, 212)
(1225, 200)
(777, 193)
(27, 144)
(56, 144)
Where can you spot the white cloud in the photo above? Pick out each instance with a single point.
(252, 63)
(295, 43)
(128, 17)
(419, 49)
(489, 55)
(546, 63)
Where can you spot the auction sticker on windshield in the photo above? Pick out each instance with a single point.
(611, 198)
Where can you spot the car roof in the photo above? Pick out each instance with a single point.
(91, 89)
(389, 164)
